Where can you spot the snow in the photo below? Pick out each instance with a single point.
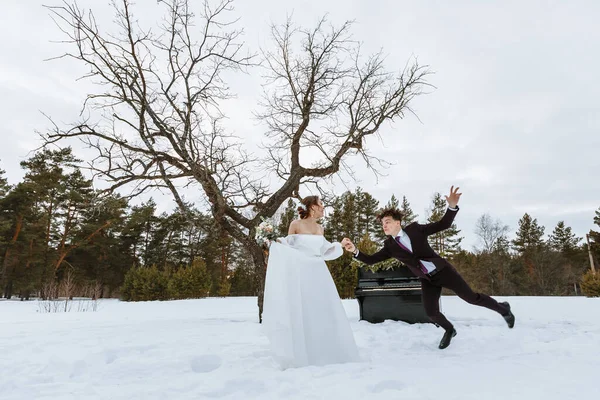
(214, 348)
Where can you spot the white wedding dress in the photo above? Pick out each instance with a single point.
(303, 315)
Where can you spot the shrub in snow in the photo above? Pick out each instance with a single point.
(190, 282)
(145, 283)
(590, 284)
(150, 283)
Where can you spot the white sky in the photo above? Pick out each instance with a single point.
(514, 121)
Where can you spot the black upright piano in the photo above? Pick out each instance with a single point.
(390, 294)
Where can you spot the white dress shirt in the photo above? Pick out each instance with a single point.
(405, 240)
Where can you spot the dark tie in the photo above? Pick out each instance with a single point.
(421, 266)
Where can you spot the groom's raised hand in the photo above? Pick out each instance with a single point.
(348, 245)
(453, 198)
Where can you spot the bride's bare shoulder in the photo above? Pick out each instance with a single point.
(300, 227)
(294, 227)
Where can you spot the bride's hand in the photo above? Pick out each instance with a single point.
(348, 245)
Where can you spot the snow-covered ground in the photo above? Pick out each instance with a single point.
(214, 348)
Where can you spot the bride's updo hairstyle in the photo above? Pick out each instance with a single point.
(306, 204)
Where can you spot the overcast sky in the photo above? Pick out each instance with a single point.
(514, 121)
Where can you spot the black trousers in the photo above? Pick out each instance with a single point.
(449, 278)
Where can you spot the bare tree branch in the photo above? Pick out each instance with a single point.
(489, 231)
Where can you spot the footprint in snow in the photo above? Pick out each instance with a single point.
(205, 363)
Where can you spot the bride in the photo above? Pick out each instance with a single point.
(303, 316)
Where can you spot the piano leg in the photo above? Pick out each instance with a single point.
(360, 307)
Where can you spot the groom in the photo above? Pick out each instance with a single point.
(410, 246)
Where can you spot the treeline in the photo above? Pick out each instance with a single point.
(56, 231)
(532, 264)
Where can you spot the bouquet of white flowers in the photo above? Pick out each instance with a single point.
(265, 233)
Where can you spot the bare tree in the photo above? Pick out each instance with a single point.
(489, 232)
(161, 93)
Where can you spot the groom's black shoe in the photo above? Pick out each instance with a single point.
(445, 342)
(510, 317)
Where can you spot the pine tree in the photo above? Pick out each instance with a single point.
(505, 270)
(334, 222)
(529, 235)
(242, 281)
(393, 202)
(147, 226)
(215, 251)
(177, 245)
(136, 232)
(529, 244)
(447, 242)
(367, 211)
(193, 231)
(563, 239)
(5, 218)
(47, 175)
(159, 235)
(379, 233)
(408, 215)
(71, 218)
(594, 237)
(224, 287)
(502, 245)
(289, 214)
(4, 186)
(344, 221)
(103, 260)
(368, 246)
(349, 216)
(22, 267)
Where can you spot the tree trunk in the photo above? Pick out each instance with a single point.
(167, 248)
(8, 289)
(5, 274)
(66, 251)
(48, 226)
(259, 257)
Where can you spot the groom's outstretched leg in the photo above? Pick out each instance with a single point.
(431, 302)
(451, 279)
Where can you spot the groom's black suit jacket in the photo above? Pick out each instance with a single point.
(421, 250)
